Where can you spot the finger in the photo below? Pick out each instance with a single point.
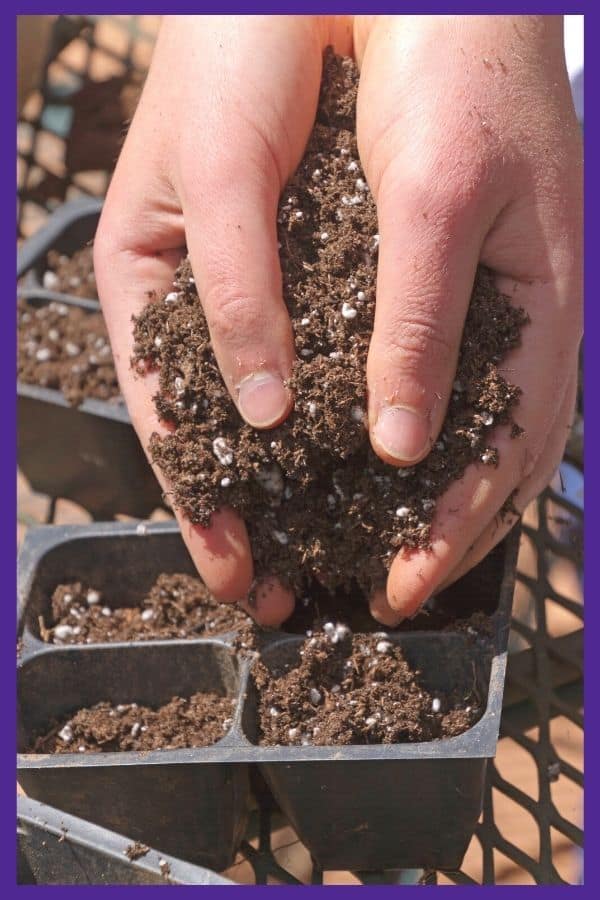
(271, 603)
(233, 249)
(230, 174)
(221, 552)
(381, 610)
(136, 250)
(528, 490)
(468, 506)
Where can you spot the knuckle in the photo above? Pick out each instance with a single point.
(252, 158)
(418, 342)
(437, 186)
(231, 314)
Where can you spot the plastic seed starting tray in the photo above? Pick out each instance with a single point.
(56, 848)
(69, 228)
(354, 807)
(90, 453)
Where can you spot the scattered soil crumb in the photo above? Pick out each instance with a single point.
(197, 721)
(136, 850)
(177, 606)
(66, 348)
(317, 501)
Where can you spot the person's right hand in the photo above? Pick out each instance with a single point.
(224, 117)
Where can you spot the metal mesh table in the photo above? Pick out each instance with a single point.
(530, 830)
(531, 827)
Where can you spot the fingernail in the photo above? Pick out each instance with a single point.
(263, 399)
(402, 433)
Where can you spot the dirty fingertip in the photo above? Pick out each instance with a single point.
(381, 610)
(221, 554)
(406, 596)
(271, 603)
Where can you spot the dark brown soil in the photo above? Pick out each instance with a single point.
(71, 274)
(197, 721)
(65, 348)
(316, 499)
(318, 606)
(177, 606)
(356, 689)
(136, 850)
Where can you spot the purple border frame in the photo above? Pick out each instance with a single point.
(7, 362)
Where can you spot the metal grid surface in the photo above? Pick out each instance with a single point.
(83, 53)
(531, 827)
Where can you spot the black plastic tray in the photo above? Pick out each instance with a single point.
(56, 848)
(357, 807)
(69, 228)
(89, 453)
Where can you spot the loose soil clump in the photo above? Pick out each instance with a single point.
(356, 689)
(66, 348)
(197, 721)
(71, 274)
(317, 501)
(177, 606)
(136, 850)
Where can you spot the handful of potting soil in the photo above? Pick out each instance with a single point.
(316, 499)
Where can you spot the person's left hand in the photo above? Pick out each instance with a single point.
(472, 151)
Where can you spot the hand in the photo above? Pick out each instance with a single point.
(227, 109)
(472, 154)
(469, 141)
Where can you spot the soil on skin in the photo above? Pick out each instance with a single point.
(177, 606)
(197, 721)
(356, 689)
(65, 348)
(71, 274)
(136, 850)
(318, 503)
